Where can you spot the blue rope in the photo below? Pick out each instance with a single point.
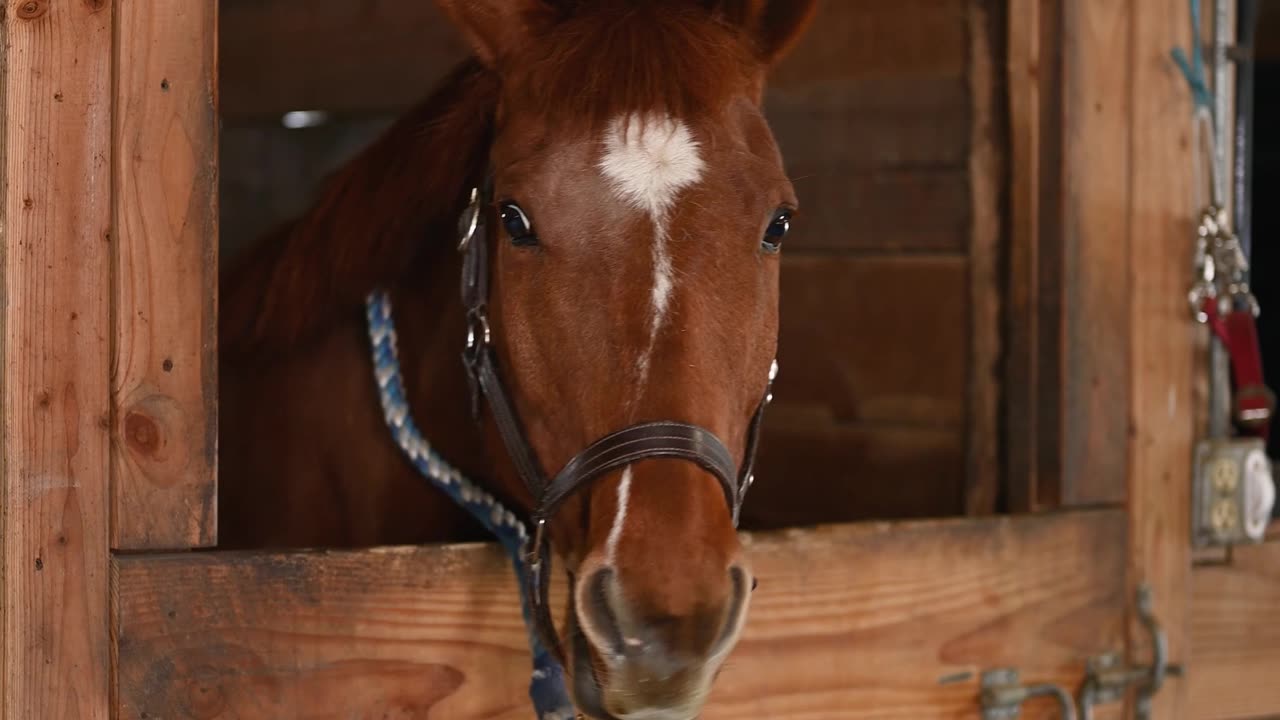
(546, 688)
(1193, 70)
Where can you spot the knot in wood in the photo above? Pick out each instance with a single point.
(142, 433)
(32, 9)
(205, 698)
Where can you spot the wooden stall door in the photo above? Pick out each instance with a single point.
(871, 620)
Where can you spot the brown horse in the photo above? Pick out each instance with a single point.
(639, 203)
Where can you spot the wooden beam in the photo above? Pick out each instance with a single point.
(1159, 234)
(164, 383)
(383, 55)
(813, 469)
(1235, 636)
(869, 621)
(55, 216)
(1092, 256)
(1032, 370)
(988, 158)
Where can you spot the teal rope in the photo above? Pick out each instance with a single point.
(1193, 69)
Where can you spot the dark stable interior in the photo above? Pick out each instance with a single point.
(1263, 221)
(872, 417)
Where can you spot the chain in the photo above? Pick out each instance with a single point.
(1221, 268)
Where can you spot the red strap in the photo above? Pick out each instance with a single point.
(1254, 401)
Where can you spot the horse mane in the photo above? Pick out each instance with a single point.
(375, 218)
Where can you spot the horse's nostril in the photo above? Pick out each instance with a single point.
(599, 621)
(743, 586)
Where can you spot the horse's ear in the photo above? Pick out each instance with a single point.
(496, 28)
(775, 25)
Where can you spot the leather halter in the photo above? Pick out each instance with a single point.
(663, 439)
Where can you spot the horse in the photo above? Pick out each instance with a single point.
(632, 203)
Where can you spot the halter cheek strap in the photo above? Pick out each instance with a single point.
(663, 439)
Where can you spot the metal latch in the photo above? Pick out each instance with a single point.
(1003, 695)
(1107, 677)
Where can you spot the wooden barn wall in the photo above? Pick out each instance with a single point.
(889, 294)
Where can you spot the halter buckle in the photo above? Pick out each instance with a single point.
(533, 554)
(478, 320)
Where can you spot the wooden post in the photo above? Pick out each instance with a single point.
(1161, 333)
(1097, 122)
(164, 371)
(55, 343)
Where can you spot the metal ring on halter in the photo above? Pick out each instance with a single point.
(469, 220)
(481, 320)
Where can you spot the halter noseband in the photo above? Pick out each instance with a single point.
(663, 439)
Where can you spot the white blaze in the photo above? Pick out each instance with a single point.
(648, 160)
(619, 518)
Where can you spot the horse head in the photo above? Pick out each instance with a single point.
(635, 203)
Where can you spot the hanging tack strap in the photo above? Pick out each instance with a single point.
(1254, 402)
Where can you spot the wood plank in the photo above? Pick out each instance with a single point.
(875, 339)
(1159, 236)
(1032, 404)
(872, 123)
(811, 470)
(1235, 639)
(164, 370)
(880, 211)
(887, 611)
(903, 39)
(55, 214)
(383, 55)
(988, 150)
(1094, 257)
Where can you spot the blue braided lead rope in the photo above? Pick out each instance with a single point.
(546, 687)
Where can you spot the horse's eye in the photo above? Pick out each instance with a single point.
(517, 224)
(777, 230)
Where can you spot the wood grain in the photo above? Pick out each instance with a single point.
(856, 434)
(1031, 415)
(1098, 126)
(869, 123)
(55, 215)
(1235, 640)
(164, 369)
(910, 38)
(1161, 334)
(875, 339)
(383, 55)
(988, 158)
(812, 470)
(889, 211)
(886, 611)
